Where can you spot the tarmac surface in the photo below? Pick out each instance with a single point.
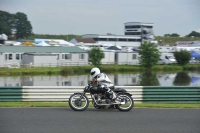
(65, 120)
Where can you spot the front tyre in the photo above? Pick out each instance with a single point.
(77, 103)
(127, 102)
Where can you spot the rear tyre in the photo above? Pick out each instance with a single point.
(129, 103)
(77, 103)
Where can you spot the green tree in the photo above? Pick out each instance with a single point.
(194, 34)
(182, 57)
(172, 35)
(166, 35)
(182, 79)
(15, 23)
(149, 55)
(5, 28)
(175, 35)
(95, 56)
(6, 23)
(22, 25)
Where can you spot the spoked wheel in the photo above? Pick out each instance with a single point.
(127, 102)
(77, 103)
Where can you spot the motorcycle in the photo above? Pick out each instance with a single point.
(100, 99)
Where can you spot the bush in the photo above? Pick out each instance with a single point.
(182, 57)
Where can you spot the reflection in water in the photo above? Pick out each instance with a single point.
(182, 79)
(148, 78)
(144, 79)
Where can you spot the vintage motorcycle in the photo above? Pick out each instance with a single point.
(101, 100)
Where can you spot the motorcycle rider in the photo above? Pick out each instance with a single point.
(103, 82)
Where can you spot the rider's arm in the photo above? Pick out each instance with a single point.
(101, 77)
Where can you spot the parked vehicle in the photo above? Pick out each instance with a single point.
(194, 60)
(101, 100)
(167, 58)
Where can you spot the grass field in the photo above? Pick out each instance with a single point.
(70, 70)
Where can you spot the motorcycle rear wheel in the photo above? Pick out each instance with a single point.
(129, 103)
(78, 104)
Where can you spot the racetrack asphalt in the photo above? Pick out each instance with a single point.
(65, 120)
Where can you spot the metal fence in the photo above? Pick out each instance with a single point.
(139, 93)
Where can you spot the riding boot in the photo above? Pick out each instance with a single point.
(112, 94)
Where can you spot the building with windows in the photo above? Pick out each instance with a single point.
(138, 29)
(134, 34)
(121, 40)
(42, 56)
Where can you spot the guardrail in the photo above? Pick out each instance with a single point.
(139, 93)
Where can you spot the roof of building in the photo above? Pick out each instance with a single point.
(141, 23)
(111, 36)
(85, 40)
(39, 49)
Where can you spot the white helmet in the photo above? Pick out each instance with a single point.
(94, 72)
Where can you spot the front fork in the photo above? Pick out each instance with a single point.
(82, 94)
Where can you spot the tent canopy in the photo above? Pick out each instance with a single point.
(195, 79)
(113, 48)
(42, 43)
(195, 54)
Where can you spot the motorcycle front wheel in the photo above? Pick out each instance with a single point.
(128, 102)
(77, 103)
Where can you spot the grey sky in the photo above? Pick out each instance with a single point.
(106, 16)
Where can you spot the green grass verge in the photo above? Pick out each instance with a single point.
(65, 104)
(71, 70)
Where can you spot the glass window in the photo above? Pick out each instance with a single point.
(127, 33)
(81, 56)
(132, 40)
(122, 39)
(148, 26)
(10, 56)
(134, 56)
(135, 26)
(67, 56)
(57, 56)
(17, 56)
(96, 39)
(112, 39)
(102, 39)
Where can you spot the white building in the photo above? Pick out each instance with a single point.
(42, 56)
(134, 34)
(129, 58)
(121, 40)
(109, 57)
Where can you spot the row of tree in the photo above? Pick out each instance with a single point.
(192, 34)
(15, 24)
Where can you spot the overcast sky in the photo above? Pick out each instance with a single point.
(107, 16)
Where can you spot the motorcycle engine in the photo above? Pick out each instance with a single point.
(108, 101)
